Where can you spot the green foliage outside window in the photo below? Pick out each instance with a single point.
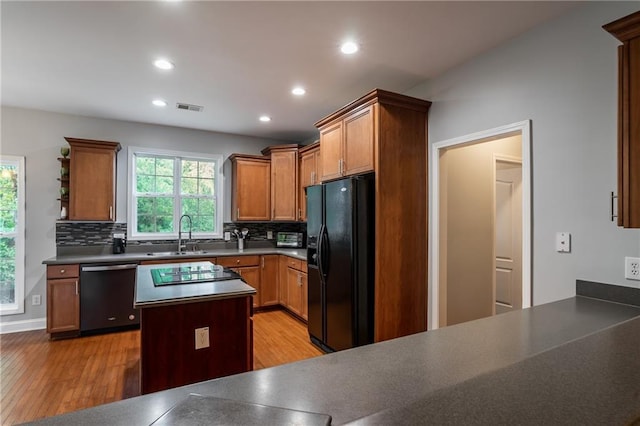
(156, 189)
(8, 214)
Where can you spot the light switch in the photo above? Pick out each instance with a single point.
(563, 242)
(227, 236)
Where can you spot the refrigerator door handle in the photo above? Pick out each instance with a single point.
(321, 248)
(324, 268)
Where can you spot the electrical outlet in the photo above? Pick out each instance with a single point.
(227, 236)
(202, 338)
(35, 300)
(632, 268)
(269, 235)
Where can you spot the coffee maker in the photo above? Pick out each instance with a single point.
(119, 244)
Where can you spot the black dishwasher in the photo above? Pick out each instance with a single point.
(106, 298)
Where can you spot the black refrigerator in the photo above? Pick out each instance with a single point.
(340, 259)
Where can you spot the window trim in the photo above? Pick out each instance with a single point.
(18, 306)
(132, 234)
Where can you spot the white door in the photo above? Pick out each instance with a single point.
(508, 236)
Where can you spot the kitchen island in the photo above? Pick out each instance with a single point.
(195, 324)
(577, 358)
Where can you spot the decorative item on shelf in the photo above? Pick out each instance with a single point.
(64, 171)
(64, 151)
(64, 193)
(63, 212)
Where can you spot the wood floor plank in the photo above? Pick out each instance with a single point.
(41, 378)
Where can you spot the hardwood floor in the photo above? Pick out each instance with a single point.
(41, 378)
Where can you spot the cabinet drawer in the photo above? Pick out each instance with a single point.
(232, 261)
(63, 271)
(297, 264)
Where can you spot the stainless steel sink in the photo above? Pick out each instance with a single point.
(177, 253)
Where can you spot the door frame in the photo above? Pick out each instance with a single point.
(524, 129)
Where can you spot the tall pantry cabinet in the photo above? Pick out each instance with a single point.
(627, 30)
(386, 133)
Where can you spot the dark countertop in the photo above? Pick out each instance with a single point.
(148, 295)
(134, 257)
(590, 381)
(517, 347)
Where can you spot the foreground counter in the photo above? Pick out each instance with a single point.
(398, 381)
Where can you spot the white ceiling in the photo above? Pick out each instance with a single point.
(239, 59)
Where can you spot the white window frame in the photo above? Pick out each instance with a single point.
(18, 306)
(132, 218)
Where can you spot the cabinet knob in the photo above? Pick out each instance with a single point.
(62, 271)
(237, 261)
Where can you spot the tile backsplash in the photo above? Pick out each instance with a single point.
(86, 234)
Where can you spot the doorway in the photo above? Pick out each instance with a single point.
(481, 226)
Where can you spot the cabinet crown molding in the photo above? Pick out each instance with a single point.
(91, 143)
(625, 28)
(379, 96)
(275, 148)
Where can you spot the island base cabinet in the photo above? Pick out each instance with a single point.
(168, 354)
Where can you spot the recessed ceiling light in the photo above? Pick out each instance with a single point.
(163, 64)
(159, 103)
(349, 48)
(265, 118)
(298, 91)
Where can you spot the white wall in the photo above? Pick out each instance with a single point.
(38, 136)
(563, 77)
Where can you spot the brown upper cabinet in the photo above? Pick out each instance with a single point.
(308, 174)
(387, 133)
(627, 30)
(92, 179)
(250, 188)
(284, 181)
(347, 141)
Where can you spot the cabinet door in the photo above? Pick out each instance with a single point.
(304, 308)
(251, 189)
(331, 151)
(294, 288)
(307, 176)
(92, 184)
(269, 281)
(284, 185)
(63, 305)
(283, 293)
(251, 275)
(359, 141)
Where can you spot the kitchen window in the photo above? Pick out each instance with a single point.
(12, 234)
(164, 185)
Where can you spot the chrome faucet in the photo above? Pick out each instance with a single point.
(180, 245)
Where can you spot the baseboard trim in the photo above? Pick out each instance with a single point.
(25, 325)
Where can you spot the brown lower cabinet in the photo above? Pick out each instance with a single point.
(249, 269)
(269, 291)
(278, 280)
(63, 300)
(296, 287)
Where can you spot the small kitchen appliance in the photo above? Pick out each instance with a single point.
(119, 245)
(290, 239)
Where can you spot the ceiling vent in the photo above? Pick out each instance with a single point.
(189, 107)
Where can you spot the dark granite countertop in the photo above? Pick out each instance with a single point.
(546, 342)
(134, 257)
(148, 295)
